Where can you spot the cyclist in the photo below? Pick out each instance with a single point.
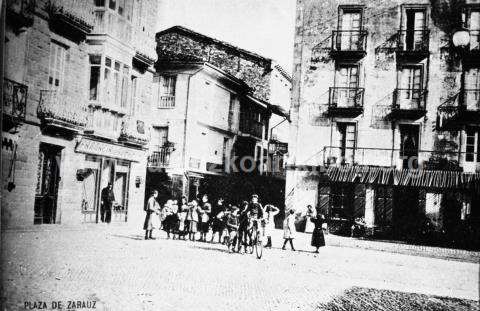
(255, 211)
(243, 220)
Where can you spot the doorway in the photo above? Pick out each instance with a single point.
(48, 178)
(409, 145)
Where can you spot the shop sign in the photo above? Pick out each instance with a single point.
(108, 150)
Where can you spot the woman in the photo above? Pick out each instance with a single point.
(270, 211)
(204, 218)
(182, 215)
(289, 229)
(309, 226)
(152, 220)
(192, 219)
(318, 239)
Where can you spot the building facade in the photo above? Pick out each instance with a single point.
(385, 117)
(213, 118)
(77, 89)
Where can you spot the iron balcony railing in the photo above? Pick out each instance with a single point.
(160, 157)
(471, 99)
(409, 99)
(349, 40)
(59, 108)
(14, 99)
(252, 127)
(346, 97)
(413, 40)
(133, 131)
(166, 101)
(399, 158)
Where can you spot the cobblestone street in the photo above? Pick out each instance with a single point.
(119, 270)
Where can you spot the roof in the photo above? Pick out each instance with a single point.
(283, 72)
(236, 50)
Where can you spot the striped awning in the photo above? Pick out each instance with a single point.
(404, 177)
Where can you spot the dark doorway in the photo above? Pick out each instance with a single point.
(46, 196)
(409, 145)
(406, 212)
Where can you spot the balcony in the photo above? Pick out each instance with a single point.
(133, 132)
(19, 14)
(408, 104)
(72, 18)
(349, 43)
(61, 112)
(397, 158)
(166, 101)
(345, 101)
(413, 44)
(251, 127)
(112, 24)
(160, 157)
(14, 104)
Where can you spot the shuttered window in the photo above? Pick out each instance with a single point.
(56, 66)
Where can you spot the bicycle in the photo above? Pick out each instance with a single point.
(256, 239)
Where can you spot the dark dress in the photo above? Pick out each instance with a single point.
(318, 239)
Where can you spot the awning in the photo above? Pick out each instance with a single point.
(404, 177)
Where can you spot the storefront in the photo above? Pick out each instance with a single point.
(106, 164)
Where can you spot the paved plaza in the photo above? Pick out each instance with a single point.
(118, 270)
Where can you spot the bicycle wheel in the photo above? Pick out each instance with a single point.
(250, 244)
(258, 247)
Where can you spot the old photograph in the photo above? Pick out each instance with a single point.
(240, 155)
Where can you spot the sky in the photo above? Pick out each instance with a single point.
(265, 27)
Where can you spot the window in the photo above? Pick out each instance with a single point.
(409, 145)
(473, 24)
(125, 84)
(472, 89)
(159, 136)
(349, 26)
(56, 66)
(121, 7)
(347, 142)
(100, 3)
(113, 4)
(346, 85)
(472, 147)
(410, 82)
(167, 91)
(95, 61)
(414, 26)
(134, 103)
(341, 200)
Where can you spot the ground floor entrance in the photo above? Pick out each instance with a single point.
(99, 172)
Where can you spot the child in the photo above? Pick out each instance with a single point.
(169, 218)
(205, 211)
(217, 222)
(289, 229)
(182, 215)
(232, 227)
(192, 218)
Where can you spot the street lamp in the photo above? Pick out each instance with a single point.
(461, 38)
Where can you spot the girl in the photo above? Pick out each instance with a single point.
(217, 224)
(289, 229)
(192, 218)
(270, 211)
(152, 219)
(169, 218)
(182, 215)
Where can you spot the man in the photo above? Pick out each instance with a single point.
(243, 226)
(255, 208)
(107, 202)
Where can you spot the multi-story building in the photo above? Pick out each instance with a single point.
(77, 88)
(384, 113)
(213, 117)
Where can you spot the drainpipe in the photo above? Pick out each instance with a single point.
(2, 50)
(184, 148)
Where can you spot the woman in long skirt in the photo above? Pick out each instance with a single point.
(270, 211)
(192, 219)
(182, 215)
(309, 226)
(289, 229)
(318, 239)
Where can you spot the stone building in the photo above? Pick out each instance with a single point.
(77, 88)
(385, 117)
(214, 109)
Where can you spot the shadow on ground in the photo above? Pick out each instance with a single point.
(361, 298)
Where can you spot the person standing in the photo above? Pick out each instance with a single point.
(192, 219)
(309, 226)
(152, 219)
(270, 211)
(168, 217)
(289, 229)
(206, 209)
(217, 222)
(182, 215)
(108, 198)
(318, 239)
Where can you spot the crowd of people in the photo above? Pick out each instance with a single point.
(231, 224)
